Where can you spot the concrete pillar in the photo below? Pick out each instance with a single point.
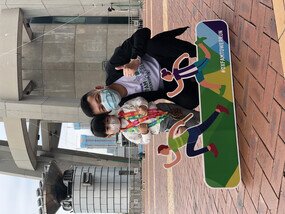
(84, 158)
(9, 167)
(11, 30)
(44, 108)
(50, 135)
(65, 160)
(34, 133)
(19, 143)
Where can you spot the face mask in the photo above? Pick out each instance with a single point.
(114, 125)
(110, 99)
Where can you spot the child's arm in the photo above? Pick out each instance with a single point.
(175, 161)
(146, 138)
(138, 138)
(135, 104)
(180, 86)
(133, 137)
(145, 133)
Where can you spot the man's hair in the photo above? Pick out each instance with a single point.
(85, 105)
(161, 147)
(97, 125)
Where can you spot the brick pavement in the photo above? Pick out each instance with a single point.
(260, 107)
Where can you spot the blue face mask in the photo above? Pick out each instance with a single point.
(110, 99)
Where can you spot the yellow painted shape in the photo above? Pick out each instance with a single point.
(223, 78)
(235, 179)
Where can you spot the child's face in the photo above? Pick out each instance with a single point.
(112, 125)
(168, 77)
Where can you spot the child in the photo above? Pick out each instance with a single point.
(189, 138)
(189, 71)
(138, 120)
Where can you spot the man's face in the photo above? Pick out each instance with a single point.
(95, 102)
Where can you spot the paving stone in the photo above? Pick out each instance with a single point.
(258, 85)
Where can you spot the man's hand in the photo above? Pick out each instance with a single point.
(130, 68)
(143, 128)
(143, 110)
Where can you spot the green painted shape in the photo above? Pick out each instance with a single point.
(222, 132)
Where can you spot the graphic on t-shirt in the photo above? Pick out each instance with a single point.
(144, 79)
(142, 76)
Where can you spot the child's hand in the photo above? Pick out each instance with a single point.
(143, 128)
(143, 110)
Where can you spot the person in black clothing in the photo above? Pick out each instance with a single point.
(134, 70)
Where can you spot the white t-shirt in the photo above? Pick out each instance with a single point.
(147, 77)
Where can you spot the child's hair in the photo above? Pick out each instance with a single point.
(164, 72)
(161, 147)
(98, 126)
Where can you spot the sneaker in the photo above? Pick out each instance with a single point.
(214, 150)
(200, 40)
(223, 109)
(222, 90)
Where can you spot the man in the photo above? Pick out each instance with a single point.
(134, 70)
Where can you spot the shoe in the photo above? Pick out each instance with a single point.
(214, 150)
(222, 90)
(223, 109)
(200, 40)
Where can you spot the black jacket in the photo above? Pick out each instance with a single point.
(164, 47)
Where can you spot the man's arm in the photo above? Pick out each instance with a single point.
(171, 33)
(175, 161)
(131, 48)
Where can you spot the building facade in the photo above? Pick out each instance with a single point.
(90, 189)
(45, 67)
